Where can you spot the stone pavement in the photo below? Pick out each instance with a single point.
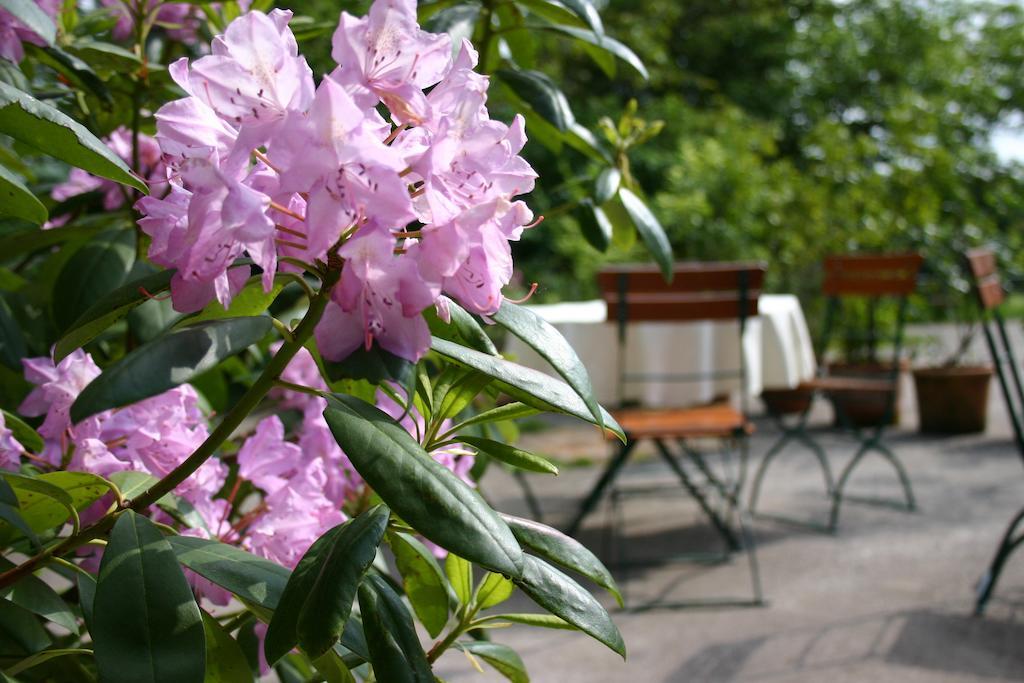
(887, 598)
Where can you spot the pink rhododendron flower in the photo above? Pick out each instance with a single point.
(57, 387)
(181, 19)
(10, 448)
(266, 164)
(13, 33)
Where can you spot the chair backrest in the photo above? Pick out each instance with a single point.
(870, 277)
(989, 294)
(699, 291)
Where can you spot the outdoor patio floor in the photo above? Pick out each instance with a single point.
(889, 597)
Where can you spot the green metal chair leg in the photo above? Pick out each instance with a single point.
(755, 487)
(837, 493)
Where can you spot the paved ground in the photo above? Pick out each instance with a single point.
(887, 598)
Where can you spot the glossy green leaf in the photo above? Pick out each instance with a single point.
(147, 625)
(254, 580)
(536, 620)
(553, 545)
(21, 633)
(375, 366)
(547, 341)
(333, 669)
(252, 300)
(422, 492)
(457, 21)
(86, 597)
(460, 576)
(110, 308)
(91, 274)
(594, 224)
(530, 386)
(132, 484)
(22, 433)
(503, 658)
(563, 597)
(553, 12)
(494, 590)
(32, 15)
(608, 182)
(17, 201)
(462, 328)
(606, 43)
(423, 581)
(542, 95)
(225, 661)
(461, 387)
(318, 598)
(71, 69)
(167, 362)
(38, 597)
(39, 125)
(650, 230)
(395, 650)
(46, 501)
(586, 11)
(509, 411)
(105, 55)
(24, 242)
(510, 455)
(585, 142)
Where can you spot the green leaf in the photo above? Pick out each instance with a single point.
(510, 455)
(423, 581)
(550, 11)
(110, 308)
(395, 650)
(563, 597)
(28, 241)
(86, 597)
(318, 598)
(72, 70)
(421, 491)
(31, 15)
(530, 386)
(39, 125)
(132, 484)
(594, 224)
(47, 500)
(254, 580)
(91, 274)
(536, 620)
(494, 590)
(375, 366)
(583, 141)
(607, 184)
(503, 658)
(650, 230)
(167, 362)
(333, 668)
(463, 328)
(38, 597)
(586, 11)
(252, 300)
(553, 545)
(22, 433)
(225, 661)
(17, 201)
(458, 22)
(547, 341)
(105, 55)
(458, 390)
(542, 95)
(147, 625)
(509, 411)
(604, 42)
(20, 632)
(460, 575)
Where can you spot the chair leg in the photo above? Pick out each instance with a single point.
(819, 453)
(755, 489)
(607, 477)
(908, 492)
(720, 525)
(531, 499)
(987, 583)
(837, 493)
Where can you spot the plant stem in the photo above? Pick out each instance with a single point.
(239, 412)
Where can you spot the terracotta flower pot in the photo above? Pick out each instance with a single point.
(864, 408)
(952, 400)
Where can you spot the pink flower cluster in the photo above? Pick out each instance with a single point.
(10, 449)
(13, 33)
(152, 436)
(266, 163)
(180, 18)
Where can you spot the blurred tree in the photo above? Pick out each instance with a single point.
(801, 127)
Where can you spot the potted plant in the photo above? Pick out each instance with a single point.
(952, 393)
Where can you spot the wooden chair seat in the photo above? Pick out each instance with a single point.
(718, 420)
(837, 384)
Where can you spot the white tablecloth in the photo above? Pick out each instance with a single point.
(777, 349)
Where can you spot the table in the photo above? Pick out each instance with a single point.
(777, 347)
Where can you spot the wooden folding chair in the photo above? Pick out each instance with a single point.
(873, 279)
(981, 264)
(698, 292)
